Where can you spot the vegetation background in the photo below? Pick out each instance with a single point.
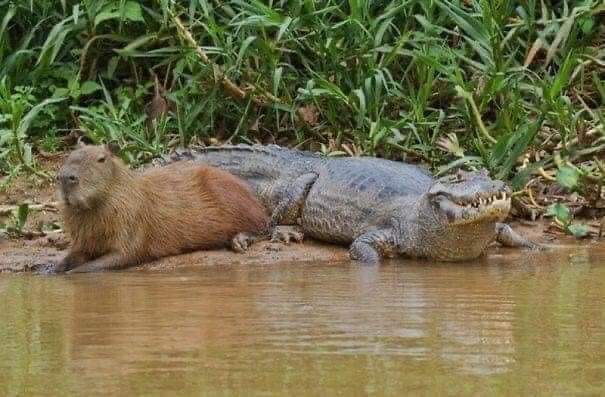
(514, 86)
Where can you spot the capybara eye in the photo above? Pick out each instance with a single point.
(101, 159)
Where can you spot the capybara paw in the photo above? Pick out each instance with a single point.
(241, 242)
(285, 234)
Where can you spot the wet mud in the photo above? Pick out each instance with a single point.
(22, 255)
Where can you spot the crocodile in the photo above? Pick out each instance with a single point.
(381, 208)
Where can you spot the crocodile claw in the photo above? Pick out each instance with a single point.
(287, 234)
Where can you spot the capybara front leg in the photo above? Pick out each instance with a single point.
(111, 261)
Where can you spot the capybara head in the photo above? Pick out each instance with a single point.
(87, 176)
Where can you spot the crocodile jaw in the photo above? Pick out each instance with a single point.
(451, 232)
(492, 208)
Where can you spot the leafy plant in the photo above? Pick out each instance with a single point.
(17, 115)
(486, 84)
(17, 220)
(562, 216)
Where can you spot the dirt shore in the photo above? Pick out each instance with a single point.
(20, 255)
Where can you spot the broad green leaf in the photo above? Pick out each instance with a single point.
(586, 24)
(277, 79)
(135, 44)
(5, 21)
(362, 104)
(559, 39)
(33, 112)
(88, 87)
(508, 148)
(112, 66)
(105, 16)
(76, 13)
(381, 31)
(578, 230)
(5, 136)
(243, 49)
(283, 28)
(560, 212)
(568, 177)
(60, 92)
(561, 80)
(132, 11)
(53, 42)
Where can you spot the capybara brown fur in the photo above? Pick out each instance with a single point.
(117, 217)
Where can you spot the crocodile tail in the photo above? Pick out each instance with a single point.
(248, 161)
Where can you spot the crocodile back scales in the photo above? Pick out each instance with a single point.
(352, 194)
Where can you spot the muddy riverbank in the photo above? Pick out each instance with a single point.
(21, 254)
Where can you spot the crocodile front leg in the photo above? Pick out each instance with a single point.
(289, 209)
(289, 206)
(506, 236)
(369, 248)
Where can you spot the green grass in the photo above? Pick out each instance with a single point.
(450, 83)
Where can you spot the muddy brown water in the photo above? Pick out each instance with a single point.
(514, 323)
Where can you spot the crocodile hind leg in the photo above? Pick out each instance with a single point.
(506, 236)
(369, 247)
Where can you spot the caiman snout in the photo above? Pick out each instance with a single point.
(471, 196)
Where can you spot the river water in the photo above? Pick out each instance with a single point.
(514, 323)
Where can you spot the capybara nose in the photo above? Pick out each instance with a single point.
(67, 178)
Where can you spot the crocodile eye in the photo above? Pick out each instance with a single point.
(439, 197)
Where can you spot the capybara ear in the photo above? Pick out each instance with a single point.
(113, 148)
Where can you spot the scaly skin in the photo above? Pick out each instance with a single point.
(380, 207)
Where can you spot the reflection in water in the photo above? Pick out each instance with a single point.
(514, 322)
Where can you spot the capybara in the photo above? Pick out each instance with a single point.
(117, 217)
